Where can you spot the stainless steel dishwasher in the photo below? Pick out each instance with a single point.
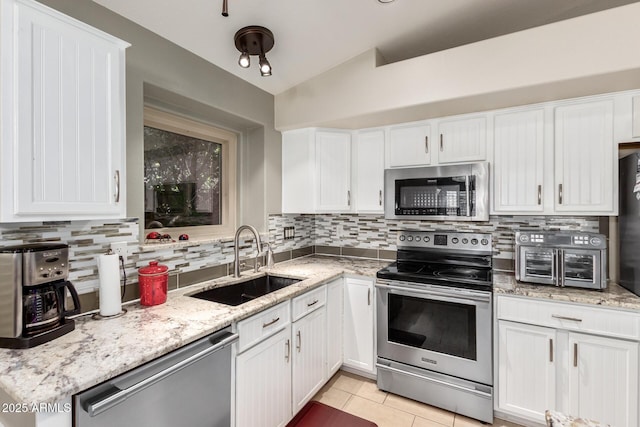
(190, 386)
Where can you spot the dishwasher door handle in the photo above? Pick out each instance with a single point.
(95, 408)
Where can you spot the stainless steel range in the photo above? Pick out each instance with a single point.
(434, 318)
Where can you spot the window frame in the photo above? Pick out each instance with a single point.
(172, 122)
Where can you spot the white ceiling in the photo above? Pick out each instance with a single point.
(312, 36)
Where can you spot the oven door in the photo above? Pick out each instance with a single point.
(581, 268)
(537, 265)
(438, 328)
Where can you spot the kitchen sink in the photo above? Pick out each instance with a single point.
(245, 291)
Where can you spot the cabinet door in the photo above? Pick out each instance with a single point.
(359, 326)
(526, 369)
(603, 383)
(309, 357)
(584, 158)
(263, 383)
(462, 140)
(298, 172)
(518, 162)
(409, 146)
(335, 299)
(68, 145)
(333, 171)
(369, 171)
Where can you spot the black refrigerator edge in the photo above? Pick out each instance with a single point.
(629, 222)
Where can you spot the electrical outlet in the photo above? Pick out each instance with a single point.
(120, 248)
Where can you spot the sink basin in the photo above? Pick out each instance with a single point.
(250, 289)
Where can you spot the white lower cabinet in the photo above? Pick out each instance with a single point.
(359, 325)
(578, 360)
(603, 379)
(263, 382)
(527, 372)
(278, 374)
(309, 357)
(335, 304)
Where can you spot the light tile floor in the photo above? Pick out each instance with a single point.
(360, 396)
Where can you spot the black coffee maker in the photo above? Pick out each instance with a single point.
(33, 284)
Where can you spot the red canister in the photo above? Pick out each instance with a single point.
(153, 280)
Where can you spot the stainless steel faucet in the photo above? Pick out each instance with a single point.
(236, 249)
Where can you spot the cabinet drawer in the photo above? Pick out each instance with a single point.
(308, 302)
(262, 325)
(594, 320)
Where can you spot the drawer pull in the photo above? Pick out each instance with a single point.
(441, 142)
(575, 354)
(288, 353)
(551, 350)
(380, 198)
(264, 325)
(312, 303)
(426, 145)
(369, 297)
(299, 346)
(573, 319)
(559, 194)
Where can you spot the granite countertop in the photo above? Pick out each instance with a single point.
(613, 296)
(98, 350)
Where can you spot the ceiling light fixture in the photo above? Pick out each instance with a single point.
(254, 40)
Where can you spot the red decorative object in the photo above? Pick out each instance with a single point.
(153, 281)
(183, 237)
(317, 414)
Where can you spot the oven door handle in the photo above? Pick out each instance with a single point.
(447, 384)
(459, 296)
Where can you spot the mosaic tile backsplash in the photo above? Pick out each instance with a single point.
(347, 234)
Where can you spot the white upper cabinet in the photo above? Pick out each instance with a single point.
(298, 171)
(333, 169)
(636, 117)
(518, 162)
(462, 140)
(409, 145)
(63, 117)
(369, 171)
(584, 157)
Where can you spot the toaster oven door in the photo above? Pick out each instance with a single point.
(537, 265)
(581, 268)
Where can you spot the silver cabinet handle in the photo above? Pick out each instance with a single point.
(575, 354)
(95, 408)
(380, 198)
(264, 325)
(559, 193)
(539, 194)
(551, 350)
(573, 319)
(287, 345)
(441, 142)
(117, 179)
(426, 145)
(369, 297)
(348, 197)
(299, 346)
(312, 303)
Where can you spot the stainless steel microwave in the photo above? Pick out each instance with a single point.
(452, 192)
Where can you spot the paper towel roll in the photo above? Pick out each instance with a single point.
(109, 272)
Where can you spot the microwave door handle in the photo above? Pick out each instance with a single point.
(466, 184)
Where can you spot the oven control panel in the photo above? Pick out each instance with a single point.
(565, 239)
(480, 242)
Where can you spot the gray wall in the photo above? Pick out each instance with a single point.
(179, 80)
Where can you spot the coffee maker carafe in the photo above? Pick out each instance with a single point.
(33, 284)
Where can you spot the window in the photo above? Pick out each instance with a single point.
(189, 176)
